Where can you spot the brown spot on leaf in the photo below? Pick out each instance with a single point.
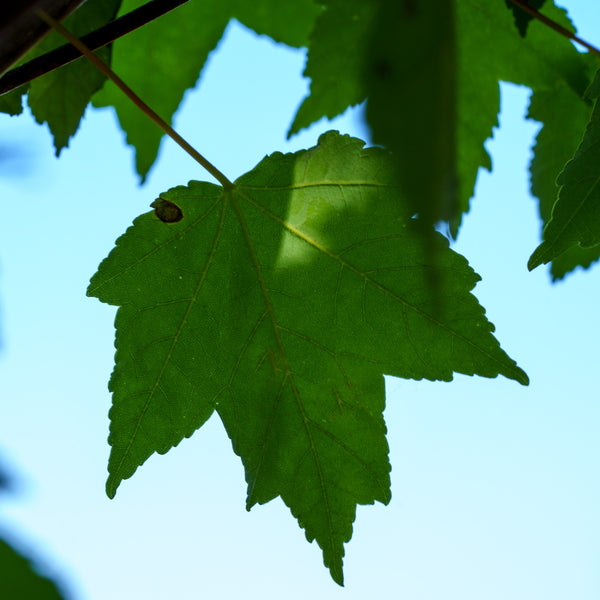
(167, 211)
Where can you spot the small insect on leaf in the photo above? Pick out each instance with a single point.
(166, 211)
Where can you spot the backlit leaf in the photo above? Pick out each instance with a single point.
(565, 116)
(280, 303)
(60, 97)
(576, 214)
(163, 59)
(341, 75)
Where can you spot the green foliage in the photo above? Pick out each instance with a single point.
(61, 97)
(576, 214)
(336, 60)
(19, 579)
(280, 303)
(281, 300)
(12, 103)
(412, 64)
(163, 59)
(565, 116)
(356, 52)
(522, 18)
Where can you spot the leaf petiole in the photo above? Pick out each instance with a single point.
(536, 14)
(110, 74)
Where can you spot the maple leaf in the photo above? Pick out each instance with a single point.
(60, 97)
(565, 116)
(576, 214)
(345, 67)
(280, 303)
(164, 58)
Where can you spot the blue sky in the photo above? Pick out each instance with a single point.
(495, 486)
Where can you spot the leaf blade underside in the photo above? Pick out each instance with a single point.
(280, 304)
(163, 59)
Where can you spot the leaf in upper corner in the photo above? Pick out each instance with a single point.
(576, 215)
(522, 18)
(19, 579)
(280, 303)
(60, 97)
(565, 116)
(346, 32)
(163, 59)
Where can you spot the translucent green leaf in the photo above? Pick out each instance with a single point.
(163, 59)
(280, 303)
(406, 111)
(565, 116)
(576, 214)
(19, 579)
(60, 97)
(336, 60)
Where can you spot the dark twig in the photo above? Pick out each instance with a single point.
(110, 74)
(101, 37)
(536, 14)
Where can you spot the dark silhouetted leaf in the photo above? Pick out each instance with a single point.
(522, 17)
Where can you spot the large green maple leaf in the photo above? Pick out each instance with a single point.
(576, 215)
(280, 302)
(163, 59)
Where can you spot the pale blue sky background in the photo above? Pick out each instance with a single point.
(495, 486)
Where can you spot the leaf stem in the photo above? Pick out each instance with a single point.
(536, 14)
(110, 74)
(97, 39)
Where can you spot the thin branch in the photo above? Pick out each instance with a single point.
(97, 39)
(536, 14)
(106, 70)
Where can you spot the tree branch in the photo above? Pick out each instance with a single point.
(97, 39)
(106, 70)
